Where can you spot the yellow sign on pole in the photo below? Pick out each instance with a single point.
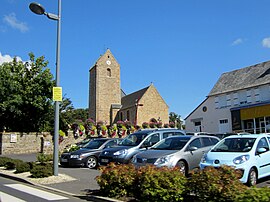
(57, 94)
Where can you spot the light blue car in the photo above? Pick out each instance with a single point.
(248, 153)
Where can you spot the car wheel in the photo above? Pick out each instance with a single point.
(91, 162)
(181, 165)
(252, 177)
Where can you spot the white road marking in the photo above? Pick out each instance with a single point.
(36, 192)
(8, 198)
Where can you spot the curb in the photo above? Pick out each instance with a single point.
(92, 197)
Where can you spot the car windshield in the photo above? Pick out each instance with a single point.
(133, 139)
(94, 144)
(171, 143)
(235, 145)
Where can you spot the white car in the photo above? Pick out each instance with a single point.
(248, 153)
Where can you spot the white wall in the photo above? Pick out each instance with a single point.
(218, 108)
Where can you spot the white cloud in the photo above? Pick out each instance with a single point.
(7, 58)
(12, 21)
(266, 42)
(237, 42)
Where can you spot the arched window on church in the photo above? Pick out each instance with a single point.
(121, 116)
(128, 115)
(109, 73)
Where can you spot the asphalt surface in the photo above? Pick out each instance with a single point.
(84, 185)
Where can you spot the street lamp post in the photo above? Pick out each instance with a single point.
(38, 9)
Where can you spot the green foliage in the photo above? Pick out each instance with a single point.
(146, 184)
(173, 117)
(160, 184)
(43, 158)
(62, 133)
(23, 167)
(12, 164)
(25, 95)
(216, 184)
(254, 194)
(117, 180)
(71, 148)
(69, 115)
(4, 160)
(42, 170)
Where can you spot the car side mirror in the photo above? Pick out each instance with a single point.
(261, 150)
(193, 148)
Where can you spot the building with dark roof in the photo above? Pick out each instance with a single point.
(239, 101)
(109, 103)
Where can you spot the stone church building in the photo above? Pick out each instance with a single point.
(109, 103)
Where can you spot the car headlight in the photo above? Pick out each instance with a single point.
(163, 160)
(74, 156)
(203, 159)
(83, 155)
(241, 159)
(120, 152)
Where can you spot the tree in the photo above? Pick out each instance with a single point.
(25, 95)
(68, 114)
(175, 118)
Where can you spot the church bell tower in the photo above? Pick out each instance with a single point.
(104, 89)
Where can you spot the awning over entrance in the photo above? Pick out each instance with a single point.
(249, 112)
(255, 112)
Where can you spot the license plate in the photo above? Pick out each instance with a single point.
(104, 160)
(64, 160)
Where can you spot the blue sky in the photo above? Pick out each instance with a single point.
(182, 46)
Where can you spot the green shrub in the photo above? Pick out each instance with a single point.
(42, 158)
(116, 180)
(215, 184)
(146, 184)
(22, 167)
(42, 170)
(254, 194)
(160, 184)
(4, 160)
(12, 164)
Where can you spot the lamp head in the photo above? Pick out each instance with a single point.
(37, 8)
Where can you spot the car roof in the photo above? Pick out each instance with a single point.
(192, 136)
(249, 135)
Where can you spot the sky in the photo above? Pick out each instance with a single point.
(181, 46)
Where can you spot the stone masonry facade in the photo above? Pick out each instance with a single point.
(104, 88)
(109, 104)
(21, 143)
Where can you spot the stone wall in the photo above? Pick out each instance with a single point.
(21, 143)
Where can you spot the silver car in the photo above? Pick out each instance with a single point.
(184, 152)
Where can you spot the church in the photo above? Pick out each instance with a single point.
(109, 103)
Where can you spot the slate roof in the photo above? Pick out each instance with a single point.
(131, 99)
(244, 78)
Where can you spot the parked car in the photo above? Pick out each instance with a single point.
(184, 152)
(88, 155)
(248, 153)
(199, 133)
(134, 143)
